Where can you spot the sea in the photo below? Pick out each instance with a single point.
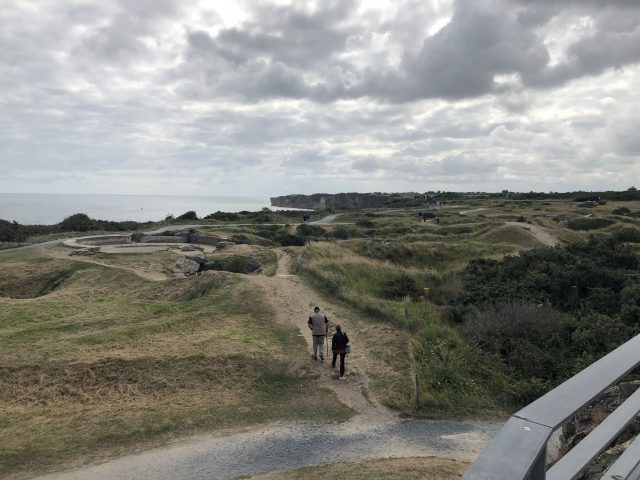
(48, 209)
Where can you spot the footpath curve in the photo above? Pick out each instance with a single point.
(374, 432)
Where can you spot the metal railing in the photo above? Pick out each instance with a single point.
(518, 451)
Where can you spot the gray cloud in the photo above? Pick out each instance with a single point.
(485, 94)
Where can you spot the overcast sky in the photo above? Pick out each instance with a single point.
(269, 98)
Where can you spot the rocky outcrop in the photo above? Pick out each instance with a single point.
(186, 266)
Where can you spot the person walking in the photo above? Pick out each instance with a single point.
(339, 346)
(318, 324)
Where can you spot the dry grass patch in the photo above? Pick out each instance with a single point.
(109, 362)
(431, 468)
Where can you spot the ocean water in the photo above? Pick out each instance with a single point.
(47, 209)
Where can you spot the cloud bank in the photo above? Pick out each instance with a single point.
(270, 98)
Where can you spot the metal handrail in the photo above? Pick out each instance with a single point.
(518, 451)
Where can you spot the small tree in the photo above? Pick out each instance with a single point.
(190, 215)
(78, 222)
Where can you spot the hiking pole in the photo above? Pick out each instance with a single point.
(326, 340)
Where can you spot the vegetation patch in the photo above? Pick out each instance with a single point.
(112, 362)
(385, 469)
(589, 223)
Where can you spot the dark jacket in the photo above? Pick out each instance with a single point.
(339, 341)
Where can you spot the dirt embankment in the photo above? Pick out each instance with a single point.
(536, 231)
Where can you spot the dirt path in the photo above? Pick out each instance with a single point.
(292, 302)
(536, 231)
(374, 432)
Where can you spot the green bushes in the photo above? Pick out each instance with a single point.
(190, 215)
(631, 235)
(310, 231)
(549, 313)
(568, 278)
(621, 211)
(365, 223)
(399, 287)
(588, 223)
(289, 240)
(223, 216)
(12, 232)
(78, 222)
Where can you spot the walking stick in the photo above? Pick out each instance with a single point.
(326, 340)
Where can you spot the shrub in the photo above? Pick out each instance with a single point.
(631, 235)
(399, 287)
(310, 231)
(533, 342)
(190, 215)
(79, 222)
(588, 223)
(12, 232)
(365, 223)
(289, 240)
(223, 216)
(621, 211)
(341, 233)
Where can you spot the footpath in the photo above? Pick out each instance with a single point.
(374, 432)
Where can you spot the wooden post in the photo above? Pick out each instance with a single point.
(417, 391)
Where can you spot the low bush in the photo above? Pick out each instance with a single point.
(79, 222)
(399, 287)
(621, 211)
(190, 215)
(588, 223)
(223, 216)
(310, 231)
(365, 223)
(341, 233)
(289, 240)
(630, 235)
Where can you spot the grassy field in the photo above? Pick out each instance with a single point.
(395, 268)
(387, 469)
(95, 361)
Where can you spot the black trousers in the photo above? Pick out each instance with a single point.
(333, 363)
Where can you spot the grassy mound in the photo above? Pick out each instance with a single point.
(110, 361)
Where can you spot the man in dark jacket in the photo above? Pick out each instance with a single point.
(318, 326)
(339, 346)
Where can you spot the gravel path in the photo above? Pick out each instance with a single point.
(266, 449)
(326, 220)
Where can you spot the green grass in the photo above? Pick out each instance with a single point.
(386, 251)
(108, 361)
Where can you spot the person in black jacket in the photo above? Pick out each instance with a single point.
(339, 346)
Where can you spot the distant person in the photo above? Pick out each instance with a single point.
(339, 347)
(318, 324)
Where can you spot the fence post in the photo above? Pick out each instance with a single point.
(417, 391)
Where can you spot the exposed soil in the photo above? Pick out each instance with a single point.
(536, 231)
(374, 432)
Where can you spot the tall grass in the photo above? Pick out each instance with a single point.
(455, 379)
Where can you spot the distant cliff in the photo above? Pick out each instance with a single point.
(352, 201)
